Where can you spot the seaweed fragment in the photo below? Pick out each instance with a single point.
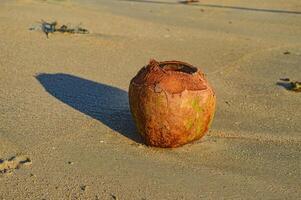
(285, 79)
(65, 29)
(296, 86)
(189, 1)
(286, 53)
(290, 85)
(48, 27)
(51, 27)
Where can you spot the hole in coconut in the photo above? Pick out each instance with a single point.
(178, 67)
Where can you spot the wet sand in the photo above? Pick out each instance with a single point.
(64, 106)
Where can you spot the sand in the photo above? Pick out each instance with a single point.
(63, 100)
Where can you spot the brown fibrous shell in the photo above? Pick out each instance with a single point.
(171, 103)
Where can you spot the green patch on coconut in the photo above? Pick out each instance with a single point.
(195, 122)
(196, 106)
(200, 124)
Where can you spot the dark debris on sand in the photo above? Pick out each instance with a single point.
(51, 27)
(189, 1)
(290, 85)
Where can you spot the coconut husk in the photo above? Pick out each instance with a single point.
(171, 102)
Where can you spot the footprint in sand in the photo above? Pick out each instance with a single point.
(7, 166)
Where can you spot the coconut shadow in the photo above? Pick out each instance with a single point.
(103, 102)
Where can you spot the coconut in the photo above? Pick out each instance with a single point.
(172, 103)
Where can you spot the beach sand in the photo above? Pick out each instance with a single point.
(64, 106)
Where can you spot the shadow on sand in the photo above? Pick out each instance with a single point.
(105, 103)
(219, 6)
(286, 85)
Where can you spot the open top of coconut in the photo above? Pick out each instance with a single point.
(177, 66)
(171, 76)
